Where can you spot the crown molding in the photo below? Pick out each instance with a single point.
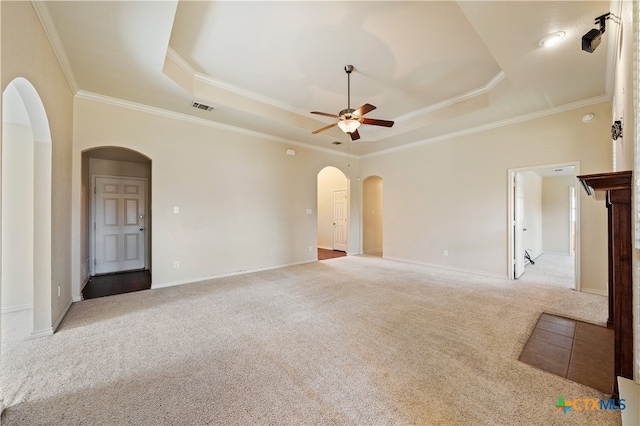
(208, 80)
(82, 94)
(494, 125)
(447, 102)
(42, 12)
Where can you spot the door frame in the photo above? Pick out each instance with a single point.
(92, 230)
(510, 210)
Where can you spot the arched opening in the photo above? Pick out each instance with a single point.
(372, 216)
(115, 222)
(333, 213)
(26, 208)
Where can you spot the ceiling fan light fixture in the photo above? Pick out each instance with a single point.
(349, 126)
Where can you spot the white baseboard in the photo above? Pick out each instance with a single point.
(155, 286)
(604, 293)
(448, 268)
(325, 248)
(373, 252)
(62, 314)
(19, 308)
(42, 333)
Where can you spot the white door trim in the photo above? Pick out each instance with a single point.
(92, 230)
(510, 203)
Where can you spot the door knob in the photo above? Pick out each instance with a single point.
(142, 229)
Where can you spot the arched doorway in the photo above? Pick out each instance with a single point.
(372, 216)
(333, 213)
(116, 222)
(26, 206)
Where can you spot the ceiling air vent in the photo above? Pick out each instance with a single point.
(202, 106)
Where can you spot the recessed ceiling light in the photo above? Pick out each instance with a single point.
(588, 118)
(551, 39)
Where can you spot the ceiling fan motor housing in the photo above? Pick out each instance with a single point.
(347, 113)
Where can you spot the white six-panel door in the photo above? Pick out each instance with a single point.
(119, 218)
(340, 220)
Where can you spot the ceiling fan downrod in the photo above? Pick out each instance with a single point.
(348, 69)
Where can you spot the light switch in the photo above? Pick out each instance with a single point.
(309, 211)
(176, 209)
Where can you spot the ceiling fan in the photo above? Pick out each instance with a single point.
(350, 119)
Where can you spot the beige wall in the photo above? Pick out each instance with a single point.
(623, 86)
(452, 195)
(555, 213)
(532, 214)
(17, 216)
(372, 215)
(330, 179)
(26, 52)
(243, 201)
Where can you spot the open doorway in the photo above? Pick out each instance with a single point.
(372, 215)
(26, 210)
(333, 213)
(117, 221)
(543, 229)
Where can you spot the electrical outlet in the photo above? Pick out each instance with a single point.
(446, 253)
(310, 248)
(176, 265)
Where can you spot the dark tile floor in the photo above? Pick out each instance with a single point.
(576, 350)
(122, 282)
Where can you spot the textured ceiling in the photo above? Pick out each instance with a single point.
(436, 68)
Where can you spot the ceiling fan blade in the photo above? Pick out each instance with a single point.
(363, 110)
(325, 114)
(325, 128)
(385, 123)
(354, 135)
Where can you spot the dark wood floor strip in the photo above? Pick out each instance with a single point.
(111, 284)
(575, 350)
(324, 254)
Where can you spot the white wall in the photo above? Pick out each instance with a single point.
(330, 179)
(532, 214)
(17, 216)
(242, 200)
(27, 53)
(556, 208)
(372, 215)
(452, 194)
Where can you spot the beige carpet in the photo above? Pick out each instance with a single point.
(550, 269)
(358, 340)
